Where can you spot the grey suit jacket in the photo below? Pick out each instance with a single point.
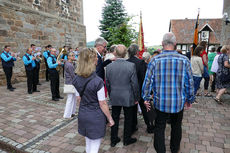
(122, 83)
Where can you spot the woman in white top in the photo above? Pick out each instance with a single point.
(214, 68)
(197, 67)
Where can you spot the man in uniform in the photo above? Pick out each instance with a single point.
(46, 54)
(37, 62)
(54, 75)
(30, 66)
(7, 64)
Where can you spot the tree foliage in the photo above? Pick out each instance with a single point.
(122, 34)
(114, 24)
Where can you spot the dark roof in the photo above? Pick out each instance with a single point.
(184, 29)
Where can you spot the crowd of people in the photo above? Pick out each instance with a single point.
(213, 67)
(166, 83)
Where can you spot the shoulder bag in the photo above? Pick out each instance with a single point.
(69, 89)
(225, 78)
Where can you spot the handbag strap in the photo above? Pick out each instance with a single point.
(82, 92)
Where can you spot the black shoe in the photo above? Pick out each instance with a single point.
(130, 141)
(113, 144)
(36, 91)
(47, 80)
(39, 84)
(60, 97)
(72, 115)
(29, 92)
(55, 99)
(11, 89)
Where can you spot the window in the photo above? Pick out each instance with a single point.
(184, 47)
(178, 47)
(204, 35)
(37, 2)
(65, 1)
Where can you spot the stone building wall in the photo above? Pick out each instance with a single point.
(41, 22)
(225, 35)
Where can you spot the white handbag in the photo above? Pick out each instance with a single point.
(69, 88)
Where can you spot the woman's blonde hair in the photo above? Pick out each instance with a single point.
(86, 62)
(225, 48)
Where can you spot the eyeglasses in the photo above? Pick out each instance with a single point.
(104, 46)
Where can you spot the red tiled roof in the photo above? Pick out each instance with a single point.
(184, 29)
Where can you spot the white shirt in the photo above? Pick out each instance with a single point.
(109, 56)
(100, 94)
(215, 65)
(98, 53)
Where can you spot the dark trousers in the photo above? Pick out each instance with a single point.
(37, 72)
(206, 78)
(213, 86)
(145, 115)
(134, 122)
(196, 81)
(47, 71)
(116, 111)
(8, 73)
(63, 71)
(176, 131)
(54, 83)
(31, 82)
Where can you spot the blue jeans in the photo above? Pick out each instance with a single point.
(197, 81)
(206, 78)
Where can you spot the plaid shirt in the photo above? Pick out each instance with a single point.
(169, 75)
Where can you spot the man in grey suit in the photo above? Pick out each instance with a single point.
(123, 89)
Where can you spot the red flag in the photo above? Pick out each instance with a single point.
(195, 40)
(141, 39)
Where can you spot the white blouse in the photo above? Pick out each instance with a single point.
(215, 66)
(100, 94)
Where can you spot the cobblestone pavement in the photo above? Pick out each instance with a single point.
(34, 123)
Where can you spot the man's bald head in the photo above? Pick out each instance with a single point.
(121, 51)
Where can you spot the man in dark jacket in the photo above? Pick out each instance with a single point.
(100, 46)
(133, 50)
(7, 65)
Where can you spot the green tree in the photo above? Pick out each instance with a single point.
(123, 34)
(114, 22)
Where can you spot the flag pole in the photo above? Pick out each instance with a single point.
(195, 40)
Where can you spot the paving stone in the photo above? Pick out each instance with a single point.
(227, 146)
(70, 135)
(16, 120)
(106, 147)
(79, 149)
(194, 151)
(145, 139)
(39, 121)
(214, 149)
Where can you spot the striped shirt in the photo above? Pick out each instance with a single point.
(169, 76)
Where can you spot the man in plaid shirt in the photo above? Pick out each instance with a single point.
(169, 76)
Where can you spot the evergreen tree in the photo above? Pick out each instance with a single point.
(113, 16)
(123, 34)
